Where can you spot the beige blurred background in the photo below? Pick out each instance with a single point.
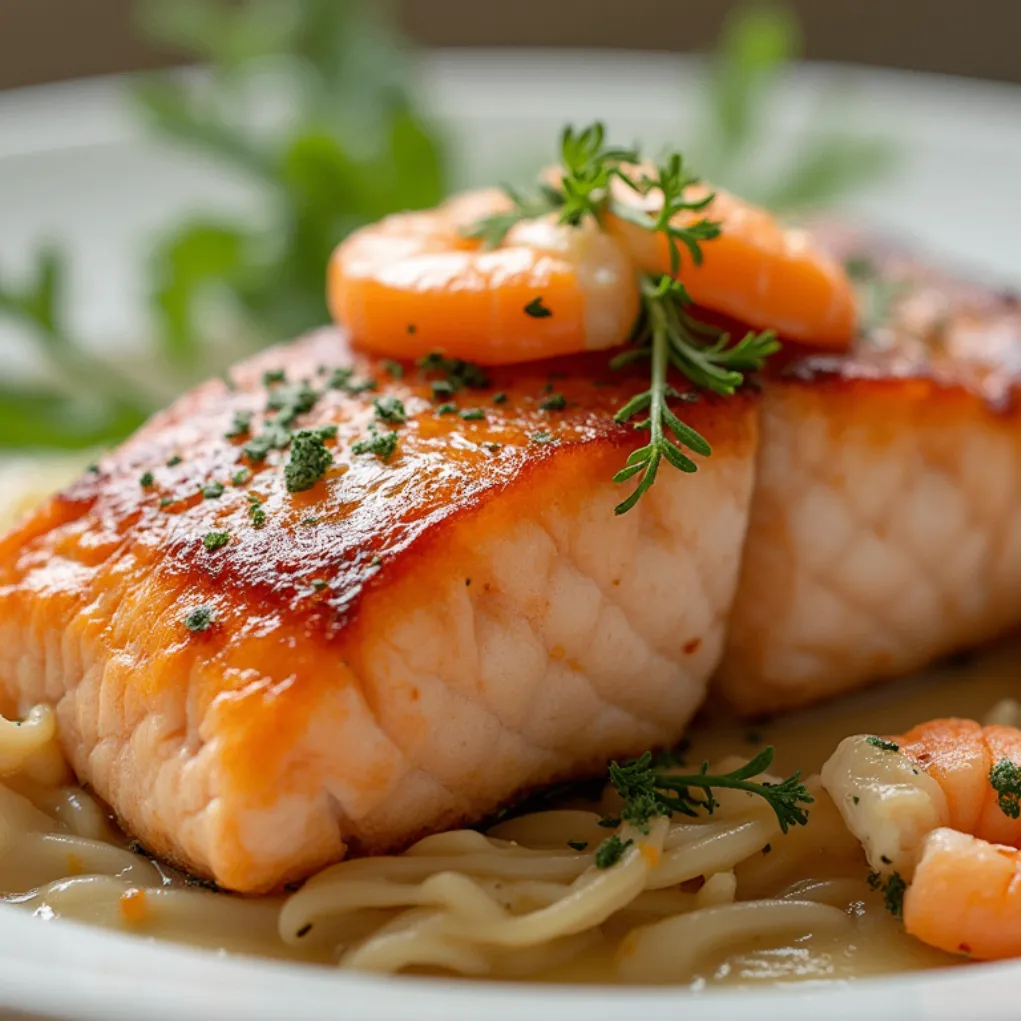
(45, 40)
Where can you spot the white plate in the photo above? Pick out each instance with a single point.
(73, 166)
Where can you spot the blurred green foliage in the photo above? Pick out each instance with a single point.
(817, 166)
(312, 104)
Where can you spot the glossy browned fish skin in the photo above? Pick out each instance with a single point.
(403, 646)
(885, 529)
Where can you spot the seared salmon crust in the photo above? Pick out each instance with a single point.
(261, 679)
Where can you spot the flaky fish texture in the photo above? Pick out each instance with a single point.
(403, 646)
(885, 526)
(261, 680)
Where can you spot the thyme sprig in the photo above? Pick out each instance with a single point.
(648, 792)
(667, 334)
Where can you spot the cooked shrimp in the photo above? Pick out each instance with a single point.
(757, 271)
(939, 807)
(413, 284)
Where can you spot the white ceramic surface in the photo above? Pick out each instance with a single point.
(74, 166)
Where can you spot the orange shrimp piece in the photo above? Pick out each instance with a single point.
(958, 754)
(757, 271)
(413, 284)
(930, 811)
(966, 896)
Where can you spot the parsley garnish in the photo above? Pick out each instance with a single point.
(457, 372)
(390, 409)
(381, 442)
(555, 402)
(199, 619)
(288, 402)
(274, 376)
(610, 851)
(146, 480)
(542, 437)
(893, 894)
(500, 398)
(883, 744)
(342, 379)
(643, 788)
(577, 845)
(240, 426)
(212, 490)
(450, 408)
(172, 463)
(537, 310)
(442, 388)
(309, 461)
(255, 512)
(291, 401)
(472, 414)
(667, 336)
(395, 369)
(241, 476)
(1005, 778)
(272, 437)
(214, 540)
(893, 889)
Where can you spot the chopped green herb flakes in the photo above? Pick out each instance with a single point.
(199, 619)
(610, 851)
(1005, 777)
(240, 426)
(309, 461)
(381, 442)
(882, 743)
(390, 409)
(537, 310)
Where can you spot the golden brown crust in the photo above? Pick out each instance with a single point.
(353, 528)
(918, 323)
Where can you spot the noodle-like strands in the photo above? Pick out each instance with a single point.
(515, 903)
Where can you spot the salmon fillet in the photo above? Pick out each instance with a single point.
(412, 643)
(885, 527)
(402, 646)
